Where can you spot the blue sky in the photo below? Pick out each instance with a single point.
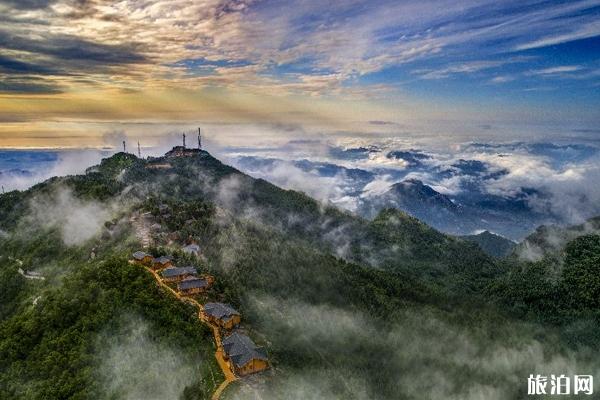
(326, 66)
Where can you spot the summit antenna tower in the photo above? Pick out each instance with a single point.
(184, 140)
(199, 138)
(139, 150)
(124, 147)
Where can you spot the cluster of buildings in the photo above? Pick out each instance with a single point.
(244, 355)
(188, 281)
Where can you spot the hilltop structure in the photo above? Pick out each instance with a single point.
(192, 285)
(178, 274)
(142, 257)
(222, 314)
(246, 357)
(183, 151)
(162, 262)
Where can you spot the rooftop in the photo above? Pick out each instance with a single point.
(172, 272)
(162, 260)
(241, 349)
(139, 255)
(219, 310)
(192, 283)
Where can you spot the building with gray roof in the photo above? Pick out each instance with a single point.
(222, 314)
(245, 356)
(177, 274)
(192, 285)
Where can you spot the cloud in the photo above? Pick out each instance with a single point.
(502, 79)
(78, 220)
(540, 182)
(134, 366)
(557, 70)
(29, 85)
(466, 68)
(21, 169)
(577, 32)
(325, 188)
(315, 50)
(12, 65)
(29, 4)
(425, 356)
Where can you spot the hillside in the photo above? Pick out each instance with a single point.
(549, 239)
(346, 307)
(492, 244)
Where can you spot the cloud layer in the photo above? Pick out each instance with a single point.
(71, 64)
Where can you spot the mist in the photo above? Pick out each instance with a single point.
(77, 220)
(133, 366)
(426, 355)
(21, 169)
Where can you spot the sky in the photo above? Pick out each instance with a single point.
(77, 73)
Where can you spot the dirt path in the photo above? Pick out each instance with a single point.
(219, 354)
(142, 229)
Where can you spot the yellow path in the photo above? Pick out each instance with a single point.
(225, 366)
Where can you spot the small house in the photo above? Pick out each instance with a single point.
(245, 356)
(192, 249)
(142, 258)
(174, 274)
(222, 314)
(162, 262)
(192, 285)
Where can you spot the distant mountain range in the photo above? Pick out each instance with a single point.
(344, 305)
(460, 214)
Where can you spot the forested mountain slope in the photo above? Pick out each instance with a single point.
(346, 308)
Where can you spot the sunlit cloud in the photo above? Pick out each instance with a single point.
(247, 61)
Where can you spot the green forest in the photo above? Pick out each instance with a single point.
(347, 308)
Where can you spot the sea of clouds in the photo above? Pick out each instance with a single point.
(557, 182)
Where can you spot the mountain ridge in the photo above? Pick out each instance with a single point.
(283, 259)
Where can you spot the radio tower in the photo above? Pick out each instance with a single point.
(184, 140)
(139, 150)
(199, 138)
(124, 148)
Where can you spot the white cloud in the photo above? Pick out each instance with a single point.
(67, 163)
(77, 220)
(133, 366)
(557, 70)
(576, 32)
(377, 186)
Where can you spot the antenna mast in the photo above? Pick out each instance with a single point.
(184, 140)
(139, 150)
(199, 138)
(124, 148)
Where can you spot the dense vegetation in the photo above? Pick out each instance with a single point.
(54, 333)
(348, 308)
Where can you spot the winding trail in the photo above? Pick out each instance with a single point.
(142, 230)
(219, 354)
